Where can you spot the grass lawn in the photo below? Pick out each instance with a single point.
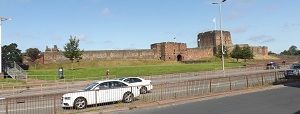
(89, 70)
(9, 82)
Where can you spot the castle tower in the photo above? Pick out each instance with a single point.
(212, 39)
(170, 51)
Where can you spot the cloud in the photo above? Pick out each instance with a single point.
(105, 12)
(262, 39)
(291, 26)
(241, 29)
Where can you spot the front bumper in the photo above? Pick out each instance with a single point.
(66, 103)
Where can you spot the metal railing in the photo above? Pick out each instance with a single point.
(51, 103)
(16, 72)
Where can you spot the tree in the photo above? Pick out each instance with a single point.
(247, 53)
(236, 53)
(219, 53)
(10, 54)
(33, 54)
(293, 50)
(72, 50)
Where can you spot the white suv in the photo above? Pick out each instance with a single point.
(101, 92)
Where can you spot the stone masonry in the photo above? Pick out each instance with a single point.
(166, 51)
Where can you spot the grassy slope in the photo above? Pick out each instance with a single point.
(96, 69)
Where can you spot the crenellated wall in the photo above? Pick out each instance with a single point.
(57, 56)
(167, 51)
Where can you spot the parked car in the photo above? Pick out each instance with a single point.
(293, 72)
(272, 65)
(101, 92)
(146, 85)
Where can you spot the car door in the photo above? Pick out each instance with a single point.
(117, 90)
(102, 93)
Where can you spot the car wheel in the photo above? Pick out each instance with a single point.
(143, 90)
(80, 103)
(127, 97)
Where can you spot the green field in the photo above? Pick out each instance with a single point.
(86, 70)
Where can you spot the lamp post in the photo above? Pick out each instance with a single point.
(222, 39)
(1, 19)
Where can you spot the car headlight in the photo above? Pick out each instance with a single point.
(67, 98)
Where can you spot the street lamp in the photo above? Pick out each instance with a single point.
(1, 19)
(222, 39)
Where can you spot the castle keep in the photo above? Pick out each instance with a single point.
(166, 51)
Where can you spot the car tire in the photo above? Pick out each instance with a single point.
(127, 97)
(80, 103)
(143, 90)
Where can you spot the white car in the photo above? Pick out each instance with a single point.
(101, 92)
(146, 85)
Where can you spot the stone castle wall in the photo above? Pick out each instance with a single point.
(199, 53)
(208, 43)
(170, 51)
(57, 56)
(257, 50)
(212, 39)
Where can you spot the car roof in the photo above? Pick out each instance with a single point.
(101, 81)
(132, 77)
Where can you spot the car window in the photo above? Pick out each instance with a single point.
(104, 85)
(296, 66)
(135, 80)
(90, 86)
(116, 84)
(127, 80)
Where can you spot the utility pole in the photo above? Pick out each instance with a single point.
(222, 39)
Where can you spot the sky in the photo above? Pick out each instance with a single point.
(135, 24)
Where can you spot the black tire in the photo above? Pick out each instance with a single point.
(80, 103)
(143, 90)
(127, 97)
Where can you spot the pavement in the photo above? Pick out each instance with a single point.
(278, 100)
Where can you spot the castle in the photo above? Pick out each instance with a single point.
(166, 51)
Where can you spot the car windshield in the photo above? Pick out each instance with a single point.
(295, 66)
(121, 79)
(90, 86)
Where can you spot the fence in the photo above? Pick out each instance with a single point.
(51, 104)
(54, 81)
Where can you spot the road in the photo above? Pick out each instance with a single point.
(277, 101)
(49, 104)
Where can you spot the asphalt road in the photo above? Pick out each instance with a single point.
(277, 101)
(45, 104)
